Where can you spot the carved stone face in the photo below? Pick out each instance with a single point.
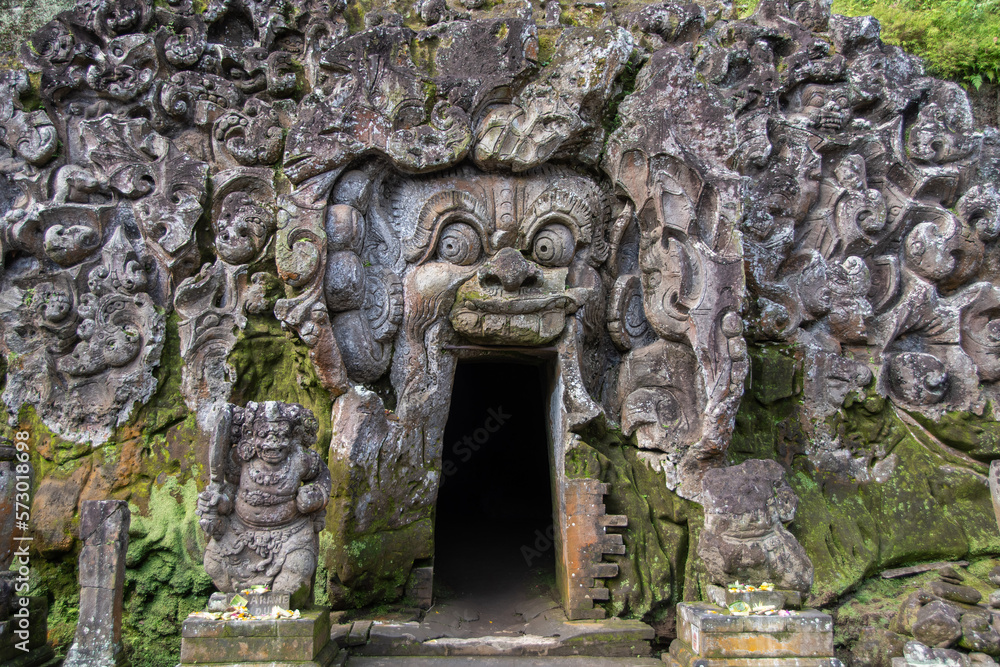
(927, 254)
(54, 43)
(67, 245)
(827, 107)
(55, 303)
(242, 229)
(274, 440)
(514, 252)
(918, 378)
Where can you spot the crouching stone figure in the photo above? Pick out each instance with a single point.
(266, 501)
(746, 507)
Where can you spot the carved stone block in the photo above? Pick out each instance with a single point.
(104, 528)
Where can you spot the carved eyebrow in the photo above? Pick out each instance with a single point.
(560, 204)
(438, 211)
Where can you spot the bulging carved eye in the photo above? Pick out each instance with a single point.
(553, 246)
(459, 244)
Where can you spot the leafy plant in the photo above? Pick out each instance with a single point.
(957, 38)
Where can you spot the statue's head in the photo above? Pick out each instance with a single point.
(272, 430)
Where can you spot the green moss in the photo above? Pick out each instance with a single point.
(56, 580)
(957, 38)
(767, 424)
(373, 567)
(274, 365)
(165, 580)
(976, 435)
(547, 38)
(928, 502)
(654, 571)
(625, 86)
(26, 17)
(876, 601)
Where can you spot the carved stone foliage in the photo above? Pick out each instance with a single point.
(83, 339)
(266, 501)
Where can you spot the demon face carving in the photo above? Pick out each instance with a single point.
(514, 255)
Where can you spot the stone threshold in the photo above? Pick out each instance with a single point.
(362, 661)
(610, 638)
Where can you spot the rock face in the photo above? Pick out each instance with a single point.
(266, 500)
(637, 196)
(744, 537)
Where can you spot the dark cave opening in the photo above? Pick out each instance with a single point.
(494, 519)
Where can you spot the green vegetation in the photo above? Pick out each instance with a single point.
(958, 38)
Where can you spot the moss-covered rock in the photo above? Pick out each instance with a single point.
(273, 365)
(164, 579)
(654, 572)
(917, 500)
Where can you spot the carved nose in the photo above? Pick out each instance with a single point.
(511, 269)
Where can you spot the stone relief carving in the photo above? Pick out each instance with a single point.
(213, 304)
(266, 501)
(642, 198)
(744, 538)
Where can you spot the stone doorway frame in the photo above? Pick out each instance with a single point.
(578, 511)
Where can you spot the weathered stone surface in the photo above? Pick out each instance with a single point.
(963, 594)
(23, 642)
(938, 624)
(266, 501)
(8, 493)
(876, 647)
(639, 192)
(978, 635)
(707, 632)
(744, 537)
(104, 528)
(302, 641)
(915, 653)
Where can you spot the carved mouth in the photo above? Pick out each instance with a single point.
(520, 305)
(517, 320)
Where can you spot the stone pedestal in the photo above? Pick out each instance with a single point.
(300, 642)
(12, 645)
(707, 635)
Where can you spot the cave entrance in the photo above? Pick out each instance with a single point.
(494, 518)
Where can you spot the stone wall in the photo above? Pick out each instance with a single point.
(210, 203)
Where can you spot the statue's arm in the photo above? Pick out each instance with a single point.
(216, 501)
(315, 493)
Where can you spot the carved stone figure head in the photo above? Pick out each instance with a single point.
(744, 537)
(271, 430)
(243, 215)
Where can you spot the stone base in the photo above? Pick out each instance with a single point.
(39, 652)
(300, 642)
(709, 636)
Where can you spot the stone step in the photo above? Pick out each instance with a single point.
(479, 661)
(610, 638)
